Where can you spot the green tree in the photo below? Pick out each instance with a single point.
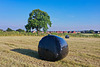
(8, 29)
(38, 20)
(1, 30)
(20, 30)
(91, 31)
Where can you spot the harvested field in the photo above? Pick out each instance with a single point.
(21, 51)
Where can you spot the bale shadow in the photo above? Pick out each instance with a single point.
(29, 52)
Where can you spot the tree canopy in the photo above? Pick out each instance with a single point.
(1, 30)
(20, 30)
(38, 20)
(8, 29)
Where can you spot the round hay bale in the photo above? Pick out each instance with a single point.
(52, 48)
(66, 36)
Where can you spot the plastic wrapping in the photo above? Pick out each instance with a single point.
(52, 48)
(66, 36)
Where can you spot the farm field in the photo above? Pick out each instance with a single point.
(89, 34)
(21, 51)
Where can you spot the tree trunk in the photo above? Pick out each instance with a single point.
(37, 31)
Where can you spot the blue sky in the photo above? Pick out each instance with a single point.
(64, 14)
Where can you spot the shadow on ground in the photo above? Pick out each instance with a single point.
(28, 52)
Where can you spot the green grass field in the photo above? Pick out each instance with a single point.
(21, 51)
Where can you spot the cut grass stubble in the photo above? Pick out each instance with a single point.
(21, 51)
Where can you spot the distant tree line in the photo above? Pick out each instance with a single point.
(21, 30)
(88, 31)
(10, 30)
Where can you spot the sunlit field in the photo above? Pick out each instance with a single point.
(22, 51)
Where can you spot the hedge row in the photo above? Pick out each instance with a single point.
(15, 33)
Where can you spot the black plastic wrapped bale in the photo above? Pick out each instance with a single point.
(66, 36)
(52, 48)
